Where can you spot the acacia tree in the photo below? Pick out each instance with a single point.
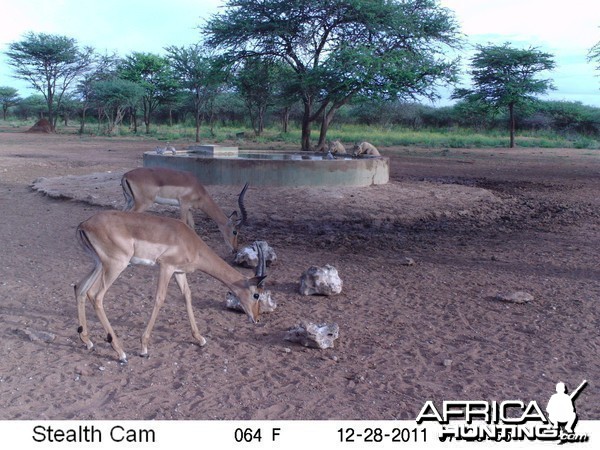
(8, 97)
(115, 96)
(504, 77)
(32, 106)
(103, 68)
(258, 82)
(594, 55)
(50, 63)
(340, 48)
(198, 72)
(153, 73)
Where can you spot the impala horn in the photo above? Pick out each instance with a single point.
(244, 219)
(261, 267)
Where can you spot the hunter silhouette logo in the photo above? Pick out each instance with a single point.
(508, 420)
(561, 407)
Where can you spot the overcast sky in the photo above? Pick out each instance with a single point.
(566, 29)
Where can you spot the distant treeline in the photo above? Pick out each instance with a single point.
(567, 118)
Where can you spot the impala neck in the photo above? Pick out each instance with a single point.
(219, 269)
(214, 211)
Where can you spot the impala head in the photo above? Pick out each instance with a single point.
(232, 228)
(250, 296)
(249, 299)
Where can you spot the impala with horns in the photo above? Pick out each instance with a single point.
(144, 186)
(114, 239)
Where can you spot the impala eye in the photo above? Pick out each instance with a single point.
(256, 296)
(234, 232)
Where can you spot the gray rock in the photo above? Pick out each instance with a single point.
(314, 335)
(514, 297)
(36, 335)
(248, 255)
(320, 281)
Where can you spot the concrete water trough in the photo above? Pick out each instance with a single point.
(214, 164)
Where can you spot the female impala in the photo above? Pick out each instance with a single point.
(115, 239)
(147, 185)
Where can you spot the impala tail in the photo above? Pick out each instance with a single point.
(128, 194)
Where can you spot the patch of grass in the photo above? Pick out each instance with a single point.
(350, 134)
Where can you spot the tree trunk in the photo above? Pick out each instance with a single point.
(285, 119)
(82, 123)
(50, 102)
(147, 110)
(197, 125)
(261, 120)
(134, 118)
(306, 125)
(327, 118)
(511, 114)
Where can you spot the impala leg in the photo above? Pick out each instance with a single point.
(161, 292)
(81, 293)
(141, 205)
(96, 295)
(187, 294)
(186, 214)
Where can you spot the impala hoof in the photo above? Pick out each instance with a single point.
(123, 359)
(144, 355)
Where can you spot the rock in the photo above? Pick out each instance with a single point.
(265, 302)
(514, 297)
(406, 261)
(248, 255)
(36, 335)
(314, 335)
(320, 281)
(83, 371)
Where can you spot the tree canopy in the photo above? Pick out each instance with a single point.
(594, 55)
(153, 73)
(50, 63)
(8, 97)
(504, 76)
(342, 48)
(198, 71)
(116, 97)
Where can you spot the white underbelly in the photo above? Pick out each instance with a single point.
(166, 201)
(142, 261)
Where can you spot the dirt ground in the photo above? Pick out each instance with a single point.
(476, 223)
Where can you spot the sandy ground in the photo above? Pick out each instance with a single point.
(475, 222)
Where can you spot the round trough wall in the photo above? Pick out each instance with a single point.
(266, 168)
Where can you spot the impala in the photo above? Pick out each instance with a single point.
(114, 239)
(144, 186)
